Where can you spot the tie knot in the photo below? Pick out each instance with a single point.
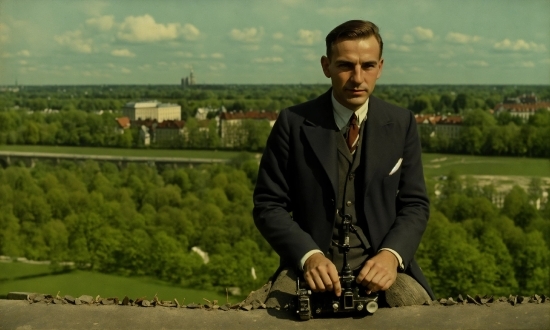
(353, 119)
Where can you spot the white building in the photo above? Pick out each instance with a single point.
(152, 110)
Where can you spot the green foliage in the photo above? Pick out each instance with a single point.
(470, 246)
(136, 221)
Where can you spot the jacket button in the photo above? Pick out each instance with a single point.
(349, 203)
(351, 176)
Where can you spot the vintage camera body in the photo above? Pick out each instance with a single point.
(352, 300)
(353, 297)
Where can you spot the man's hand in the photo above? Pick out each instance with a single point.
(321, 274)
(379, 272)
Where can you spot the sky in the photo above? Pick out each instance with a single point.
(68, 42)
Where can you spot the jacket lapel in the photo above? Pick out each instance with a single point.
(378, 140)
(320, 131)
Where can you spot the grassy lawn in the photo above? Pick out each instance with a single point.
(442, 164)
(39, 278)
(180, 153)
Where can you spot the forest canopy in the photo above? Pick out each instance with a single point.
(143, 220)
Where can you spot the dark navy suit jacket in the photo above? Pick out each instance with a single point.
(294, 198)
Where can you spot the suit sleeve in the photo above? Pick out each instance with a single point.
(273, 200)
(412, 204)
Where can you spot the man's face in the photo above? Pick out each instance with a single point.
(354, 67)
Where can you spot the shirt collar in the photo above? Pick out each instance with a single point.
(343, 114)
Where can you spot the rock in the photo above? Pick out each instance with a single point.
(450, 302)
(460, 299)
(256, 304)
(194, 306)
(282, 290)
(247, 308)
(167, 303)
(69, 299)
(18, 295)
(513, 300)
(39, 298)
(145, 303)
(523, 300)
(260, 295)
(224, 308)
(471, 299)
(215, 307)
(502, 299)
(86, 299)
(77, 301)
(57, 301)
(107, 301)
(125, 301)
(543, 299)
(406, 291)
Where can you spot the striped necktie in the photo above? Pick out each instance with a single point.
(353, 134)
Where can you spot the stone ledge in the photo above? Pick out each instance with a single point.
(22, 315)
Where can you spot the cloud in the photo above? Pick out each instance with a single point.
(75, 41)
(311, 57)
(478, 63)
(251, 48)
(145, 29)
(336, 11)
(308, 37)
(423, 34)
(122, 53)
(528, 64)
(23, 62)
(217, 66)
(399, 48)
(102, 23)
(216, 55)
(4, 33)
(190, 32)
(278, 35)
(268, 60)
(545, 61)
(459, 38)
(125, 70)
(247, 35)
(447, 54)
(518, 45)
(24, 53)
(407, 38)
(184, 54)
(277, 48)
(145, 67)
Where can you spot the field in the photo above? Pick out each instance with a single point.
(434, 164)
(209, 154)
(502, 172)
(441, 164)
(23, 277)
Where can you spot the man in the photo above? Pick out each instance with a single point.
(345, 154)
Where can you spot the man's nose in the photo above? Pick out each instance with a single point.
(357, 75)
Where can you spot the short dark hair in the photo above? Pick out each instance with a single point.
(351, 30)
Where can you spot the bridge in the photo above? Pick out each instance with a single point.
(8, 158)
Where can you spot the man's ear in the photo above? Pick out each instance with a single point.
(380, 66)
(325, 62)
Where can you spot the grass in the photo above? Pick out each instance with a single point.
(441, 164)
(434, 164)
(179, 153)
(20, 277)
